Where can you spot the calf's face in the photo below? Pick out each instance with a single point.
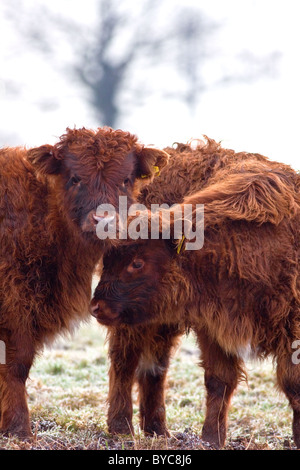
(96, 167)
(131, 283)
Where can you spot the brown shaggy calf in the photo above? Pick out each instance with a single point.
(239, 292)
(49, 249)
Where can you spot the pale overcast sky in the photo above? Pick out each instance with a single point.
(260, 116)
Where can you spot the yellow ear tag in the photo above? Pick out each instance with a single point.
(180, 245)
(156, 172)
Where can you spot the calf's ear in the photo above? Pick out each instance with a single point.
(45, 160)
(150, 161)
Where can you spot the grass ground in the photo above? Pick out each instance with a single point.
(67, 394)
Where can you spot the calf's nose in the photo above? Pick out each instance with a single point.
(94, 310)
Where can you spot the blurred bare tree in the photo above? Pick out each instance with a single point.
(131, 44)
(132, 52)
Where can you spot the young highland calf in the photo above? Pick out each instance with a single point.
(239, 293)
(49, 248)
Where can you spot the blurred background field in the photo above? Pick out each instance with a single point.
(68, 389)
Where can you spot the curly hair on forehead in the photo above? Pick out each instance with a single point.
(102, 144)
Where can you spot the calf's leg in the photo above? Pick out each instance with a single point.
(222, 373)
(124, 352)
(288, 376)
(13, 376)
(151, 377)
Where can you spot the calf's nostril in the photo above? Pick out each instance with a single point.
(94, 310)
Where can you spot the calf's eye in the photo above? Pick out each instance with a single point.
(136, 265)
(75, 180)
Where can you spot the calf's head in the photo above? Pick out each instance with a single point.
(134, 281)
(96, 167)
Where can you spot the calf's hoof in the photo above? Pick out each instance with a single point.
(120, 426)
(22, 434)
(160, 429)
(213, 438)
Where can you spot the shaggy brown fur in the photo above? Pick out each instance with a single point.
(49, 249)
(239, 292)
